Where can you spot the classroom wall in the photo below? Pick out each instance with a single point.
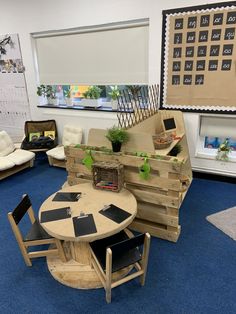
(28, 16)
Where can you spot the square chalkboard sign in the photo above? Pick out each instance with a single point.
(175, 79)
(176, 66)
(200, 65)
(227, 50)
(229, 33)
(203, 36)
(215, 34)
(218, 19)
(178, 37)
(189, 52)
(201, 51)
(169, 124)
(231, 17)
(214, 50)
(213, 65)
(205, 20)
(226, 65)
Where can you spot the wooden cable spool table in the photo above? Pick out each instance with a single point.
(77, 271)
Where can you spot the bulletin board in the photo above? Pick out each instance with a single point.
(14, 104)
(199, 58)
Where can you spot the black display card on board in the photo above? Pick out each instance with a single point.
(177, 52)
(188, 66)
(187, 80)
(203, 36)
(201, 51)
(229, 33)
(200, 65)
(192, 22)
(189, 52)
(231, 18)
(190, 37)
(215, 34)
(179, 23)
(227, 50)
(175, 79)
(226, 65)
(176, 66)
(199, 79)
(178, 37)
(205, 20)
(213, 65)
(214, 50)
(218, 19)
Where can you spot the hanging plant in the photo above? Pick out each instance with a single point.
(144, 170)
(223, 151)
(88, 159)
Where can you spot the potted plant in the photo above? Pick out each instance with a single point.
(176, 150)
(49, 92)
(67, 95)
(91, 97)
(134, 90)
(114, 93)
(223, 151)
(117, 136)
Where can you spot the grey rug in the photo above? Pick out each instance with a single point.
(225, 221)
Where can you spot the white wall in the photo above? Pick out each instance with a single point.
(29, 16)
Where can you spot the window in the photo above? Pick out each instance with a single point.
(106, 55)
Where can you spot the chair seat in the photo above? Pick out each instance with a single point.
(123, 260)
(37, 233)
(57, 152)
(20, 156)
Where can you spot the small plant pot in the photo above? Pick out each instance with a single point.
(116, 146)
(114, 104)
(52, 101)
(69, 101)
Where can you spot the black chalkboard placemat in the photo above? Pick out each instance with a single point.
(115, 213)
(84, 225)
(56, 214)
(67, 197)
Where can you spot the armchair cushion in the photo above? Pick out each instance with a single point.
(57, 153)
(71, 135)
(6, 144)
(20, 156)
(5, 163)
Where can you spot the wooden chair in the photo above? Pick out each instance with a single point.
(36, 236)
(117, 252)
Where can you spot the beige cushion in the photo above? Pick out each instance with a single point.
(20, 156)
(57, 152)
(6, 144)
(5, 163)
(71, 135)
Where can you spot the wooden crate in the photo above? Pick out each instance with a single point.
(108, 176)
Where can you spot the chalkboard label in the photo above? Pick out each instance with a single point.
(188, 66)
(179, 23)
(227, 50)
(214, 50)
(229, 33)
(231, 18)
(169, 124)
(178, 38)
(218, 19)
(203, 36)
(189, 52)
(200, 65)
(192, 22)
(175, 79)
(215, 35)
(199, 79)
(176, 66)
(187, 80)
(201, 51)
(226, 65)
(190, 37)
(205, 20)
(213, 65)
(177, 53)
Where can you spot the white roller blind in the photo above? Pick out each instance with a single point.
(113, 56)
(218, 127)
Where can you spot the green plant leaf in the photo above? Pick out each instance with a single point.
(88, 160)
(144, 170)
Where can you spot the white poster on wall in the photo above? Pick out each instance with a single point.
(14, 103)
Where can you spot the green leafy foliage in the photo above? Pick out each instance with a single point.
(46, 91)
(114, 93)
(144, 170)
(116, 134)
(88, 160)
(93, 92)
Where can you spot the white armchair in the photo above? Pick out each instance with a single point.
(12, 159)
(72, 135)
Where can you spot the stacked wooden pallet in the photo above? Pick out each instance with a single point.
(159, 197)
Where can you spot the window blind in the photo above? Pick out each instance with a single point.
(97, 57)
(218, 126)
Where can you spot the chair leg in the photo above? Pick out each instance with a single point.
(108, 274)
(25, 256)
(144, 261)
(60, 250)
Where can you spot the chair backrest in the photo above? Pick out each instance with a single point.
(6, 144)
(71, 135)
(126, 245)
(21, 209)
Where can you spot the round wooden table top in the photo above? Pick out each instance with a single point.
(91, 202)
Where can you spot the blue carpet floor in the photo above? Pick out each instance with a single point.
(195, 275)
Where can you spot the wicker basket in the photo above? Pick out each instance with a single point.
(108, 176)
(162, 141)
